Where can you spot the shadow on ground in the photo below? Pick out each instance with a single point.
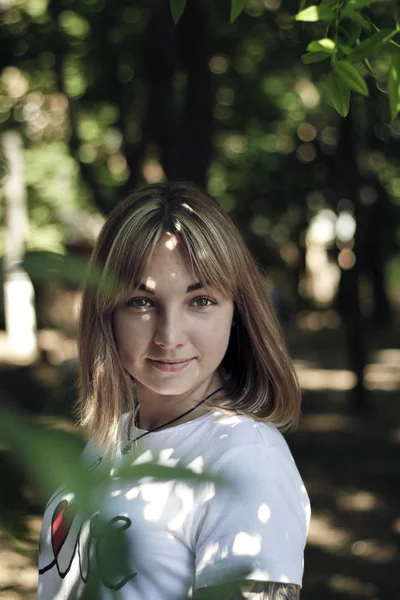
(351, 467)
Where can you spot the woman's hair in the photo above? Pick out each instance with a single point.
(259, 379)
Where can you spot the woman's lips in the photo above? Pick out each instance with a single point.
(170, 367)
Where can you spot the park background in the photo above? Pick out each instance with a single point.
(99, 96)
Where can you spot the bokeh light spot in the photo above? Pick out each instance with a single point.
(218, 65)
(306, 132)
(346, 259)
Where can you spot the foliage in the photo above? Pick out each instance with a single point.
(237, 7)
(177, 8)
(61, 452)
(69, 270)
(394, 86)
(355, 38)
(76, 82)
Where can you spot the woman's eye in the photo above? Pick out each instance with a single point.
(199, 302)
(204, 301)
(138, 303)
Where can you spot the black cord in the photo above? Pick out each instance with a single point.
(130, 441)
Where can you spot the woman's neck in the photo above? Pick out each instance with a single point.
(157, 409)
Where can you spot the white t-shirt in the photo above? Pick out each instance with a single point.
(184, 535)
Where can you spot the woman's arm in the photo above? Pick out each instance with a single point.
(252, 590)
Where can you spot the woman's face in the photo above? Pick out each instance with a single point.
(169, 318)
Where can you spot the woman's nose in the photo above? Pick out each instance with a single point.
(170, 331)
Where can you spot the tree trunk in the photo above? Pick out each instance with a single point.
(347, 182)
(182, 133)
(18, 290)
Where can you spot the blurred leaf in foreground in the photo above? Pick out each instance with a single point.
(50, 458)
(69, 269)
(394, 86)
(53, 460)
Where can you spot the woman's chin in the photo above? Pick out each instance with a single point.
(166, 388)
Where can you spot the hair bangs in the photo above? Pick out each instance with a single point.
(210, 258)
(128, 260)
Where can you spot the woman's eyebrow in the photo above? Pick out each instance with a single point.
(194, 286)
(144, 288)
(191, 288)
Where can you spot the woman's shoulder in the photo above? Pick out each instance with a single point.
(256, 459)
(246, 430)
(258, 472)
(240, 434)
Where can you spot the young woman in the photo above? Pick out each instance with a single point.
(184, 366)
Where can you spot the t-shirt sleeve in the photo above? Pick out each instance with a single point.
(256, 525)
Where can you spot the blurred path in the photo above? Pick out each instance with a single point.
(351, 467)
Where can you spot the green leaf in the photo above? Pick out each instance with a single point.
(51, 458)
(177, 8)
(324, 45)
(370, 46)
(394, 86)
(33, 446)
(357, 18)
(344, 48)
(350, 77)
(128, 472)
(339, 93)
(314, 57)
(349, 31)
(3, 169)
(237, 7)
(315, 13)
(71, 270)
(357, 4)
(330, 3)
(368, 67)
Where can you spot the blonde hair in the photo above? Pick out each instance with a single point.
(259, 378)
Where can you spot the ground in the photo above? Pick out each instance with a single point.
(350, 465)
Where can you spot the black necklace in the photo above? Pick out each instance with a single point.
(127, 448)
